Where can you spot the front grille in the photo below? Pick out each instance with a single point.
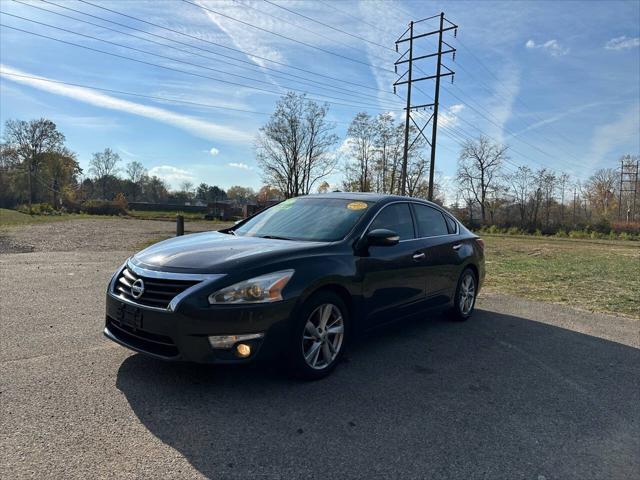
(141, 340)
(158, 292)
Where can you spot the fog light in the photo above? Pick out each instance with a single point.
(243, 350)
(226, 342)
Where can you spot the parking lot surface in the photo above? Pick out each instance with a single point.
(522, 390)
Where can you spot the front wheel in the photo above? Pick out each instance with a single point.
(465, 298)
(319, 336)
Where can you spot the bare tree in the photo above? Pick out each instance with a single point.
(293, 148)
(479, 169)
(103, 166)
(521, 184)
(136, 174)
(360, 138)
(28, 141)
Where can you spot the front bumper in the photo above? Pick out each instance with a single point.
(182, 335)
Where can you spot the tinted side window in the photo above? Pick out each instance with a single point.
(430, 221)
(396, 217)
(451, 224)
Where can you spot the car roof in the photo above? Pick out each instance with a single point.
(369, 197)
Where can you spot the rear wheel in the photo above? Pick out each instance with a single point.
(465, 299)
(319, 337)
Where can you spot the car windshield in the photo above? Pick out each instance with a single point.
(312, 219)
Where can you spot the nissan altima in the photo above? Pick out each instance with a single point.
(299, 280)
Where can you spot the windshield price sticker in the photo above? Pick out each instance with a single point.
(357, 206)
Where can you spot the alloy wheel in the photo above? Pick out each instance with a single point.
(467, 294)
(322, 336)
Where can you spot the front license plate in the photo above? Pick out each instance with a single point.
(130, 316)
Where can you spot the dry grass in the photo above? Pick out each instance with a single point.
(599, 276)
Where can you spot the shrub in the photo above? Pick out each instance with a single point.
(102, 207)
(514, 231)
(561, 234)
(578, 234)
(38, 209)
(537, 233)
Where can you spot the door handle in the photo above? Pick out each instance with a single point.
(457, 246)
(419, 256)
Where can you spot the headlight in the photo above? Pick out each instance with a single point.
(262, 289)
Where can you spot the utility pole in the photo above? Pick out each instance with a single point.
(628, 186)
(409, 36)
(405, 155)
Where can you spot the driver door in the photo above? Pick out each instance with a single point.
(393, 279)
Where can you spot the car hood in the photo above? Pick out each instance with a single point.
(214, 252)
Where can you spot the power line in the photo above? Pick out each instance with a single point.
(252, 66)
(179, 61)
(262, 12)
(327, 25)
(514, 135)
(309, 45)
(181, 71)
(200, 39)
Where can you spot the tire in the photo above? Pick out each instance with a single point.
(314, 351)
(464, 300)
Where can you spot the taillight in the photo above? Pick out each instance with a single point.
(480, 242)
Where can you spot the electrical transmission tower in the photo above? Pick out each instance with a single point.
(408, 58)
(628, 187)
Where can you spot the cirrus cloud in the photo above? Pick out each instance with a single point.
(622, 43)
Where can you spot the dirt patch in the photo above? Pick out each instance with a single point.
(97, 235)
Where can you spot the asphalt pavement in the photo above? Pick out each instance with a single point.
(522, 390)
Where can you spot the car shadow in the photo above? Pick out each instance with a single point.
(495, 397)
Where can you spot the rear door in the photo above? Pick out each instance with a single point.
(393, 281)
(439, 239)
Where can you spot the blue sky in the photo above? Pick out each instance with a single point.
(558, 81)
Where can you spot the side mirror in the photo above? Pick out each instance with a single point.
(381, 237)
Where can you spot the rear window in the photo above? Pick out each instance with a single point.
(451, 224)
(431, 222)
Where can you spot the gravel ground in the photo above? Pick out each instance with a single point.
(93, 235)
(523, 390)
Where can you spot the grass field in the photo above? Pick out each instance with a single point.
(594, 275)
(160, 215)
(10, 218)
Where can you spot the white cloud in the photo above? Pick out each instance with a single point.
(449, 117)
(243, 166)
(552, 47)
(622, 43)
(214, 151)
(195, 126)
(172, 175)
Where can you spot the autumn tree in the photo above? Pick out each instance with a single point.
(28, 141)
(241, 195)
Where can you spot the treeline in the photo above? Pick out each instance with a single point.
(542, 200)
(297, 150)
(39, 173)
